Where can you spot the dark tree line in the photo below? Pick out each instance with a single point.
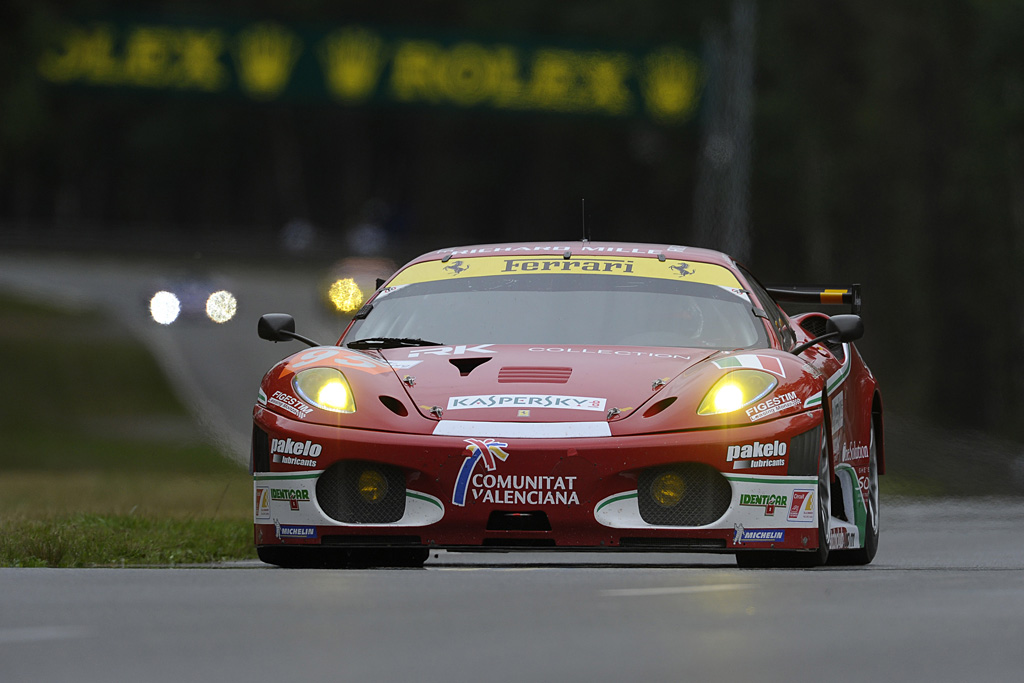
(888, 149)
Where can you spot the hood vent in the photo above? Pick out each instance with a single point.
(467, 365)
(525, 374)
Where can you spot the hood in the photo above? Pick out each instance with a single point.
(491, 382)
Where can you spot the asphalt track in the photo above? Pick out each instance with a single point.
(943, 601)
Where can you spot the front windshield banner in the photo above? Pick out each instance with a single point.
(485, 266)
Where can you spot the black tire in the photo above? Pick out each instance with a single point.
(318, 557)
(787, 559)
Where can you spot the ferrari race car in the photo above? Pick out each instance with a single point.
(571, 396)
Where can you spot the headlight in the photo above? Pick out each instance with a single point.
(736, 390)
(667, 489)
(326, 388)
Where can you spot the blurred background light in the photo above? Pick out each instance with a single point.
(164, 307)
(345, 295)
(221, 306)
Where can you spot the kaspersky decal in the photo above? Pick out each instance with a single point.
(480, 449)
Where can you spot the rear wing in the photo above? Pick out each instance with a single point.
(829, 296)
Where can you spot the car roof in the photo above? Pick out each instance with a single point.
(578, 248)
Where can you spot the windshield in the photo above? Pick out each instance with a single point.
(561, 309)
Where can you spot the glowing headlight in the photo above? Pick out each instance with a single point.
(164, 307)
(736, 390)
(325, 388)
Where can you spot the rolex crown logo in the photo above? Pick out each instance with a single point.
(266, 54)
(671, 84)
(352, 60)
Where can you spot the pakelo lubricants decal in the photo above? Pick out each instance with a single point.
(480, 449)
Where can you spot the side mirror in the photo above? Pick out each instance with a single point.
(277, 327)
(840, 328)
(846, 328)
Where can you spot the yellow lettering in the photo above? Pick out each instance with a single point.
(352, 60)
(414, 70)
(553, 85)
(468, 75)
(508, 86)
(670, 84)
(606, 76)
(146, 57)
(266, 54)
(200, 60)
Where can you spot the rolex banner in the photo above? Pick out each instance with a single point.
(356, 64)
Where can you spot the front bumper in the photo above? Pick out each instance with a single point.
(542, 493)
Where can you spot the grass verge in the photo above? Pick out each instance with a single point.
(102, 465)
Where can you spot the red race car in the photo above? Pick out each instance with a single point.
(571, 396)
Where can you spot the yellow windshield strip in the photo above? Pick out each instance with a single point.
(489, 266)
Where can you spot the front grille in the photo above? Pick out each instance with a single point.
(688, 543)
(337, 492)
(534, 520)
(705, 495)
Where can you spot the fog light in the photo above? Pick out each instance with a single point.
(667, 489)
(372, 485)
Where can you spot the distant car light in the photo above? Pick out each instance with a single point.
(221, 306)
(345, 295)
(164, 307)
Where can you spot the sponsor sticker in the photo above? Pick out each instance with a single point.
(288, 452)
(261, 509)
(526, 401)
(607, 352)
(290, 404)
(773, 406)
(293, 531)
(459, 350)
(507, 489)
(802, 507)
(757, 454)
(767, 501)
(852, 452)
(609, 262)
(291, 496)
(741, 535)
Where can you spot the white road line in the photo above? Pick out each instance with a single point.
(37, 633)
(673, 590)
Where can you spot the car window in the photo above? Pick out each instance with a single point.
(778, 319)
(562, 309)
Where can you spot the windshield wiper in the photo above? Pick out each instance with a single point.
(389, 343)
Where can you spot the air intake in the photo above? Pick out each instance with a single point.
(685, 494)
(357, 492)
(537, 375)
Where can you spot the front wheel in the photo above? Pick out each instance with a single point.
(762, 559)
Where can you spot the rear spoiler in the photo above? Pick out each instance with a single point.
(829, 296)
